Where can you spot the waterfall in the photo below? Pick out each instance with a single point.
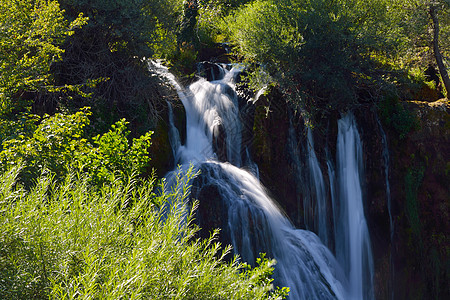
(317, 200)
(386, 161)
(254, 222)
(353, 248)
(174, 134)
(333, 193)
(350, 232)
(256, 225)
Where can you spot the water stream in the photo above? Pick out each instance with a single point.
(353, 247)
(317, 200)
(254, 222)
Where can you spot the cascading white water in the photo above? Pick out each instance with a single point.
(333, 193)
(316, 203)
(350, 233)
(255, 223)
(213, 104)
(353, 248)
(174, 134)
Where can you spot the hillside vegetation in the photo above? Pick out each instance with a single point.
(79, 211)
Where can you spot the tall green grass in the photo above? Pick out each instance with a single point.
(68, 240)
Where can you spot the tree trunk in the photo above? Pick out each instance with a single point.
(437, 52)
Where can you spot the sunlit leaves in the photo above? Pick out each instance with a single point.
(30, 35)
(68, 240)
(59, 143)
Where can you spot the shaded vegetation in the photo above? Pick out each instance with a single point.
(395, 116)
(60, 144)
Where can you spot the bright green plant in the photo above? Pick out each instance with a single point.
(59, 143)
(112, 155)
(31, 33)
(323, 55)
(310, 48)
(67, 240)
(51, 144)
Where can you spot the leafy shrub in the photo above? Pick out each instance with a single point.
(318, 52)
(114, 156)
(59, 143)
(67, 240)
(51, 144)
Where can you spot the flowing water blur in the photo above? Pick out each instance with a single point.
(255, 223)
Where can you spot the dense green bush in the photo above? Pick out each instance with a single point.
(66, 241)
(114, 156)
(59, 143)
(331, 55)
(320, 53)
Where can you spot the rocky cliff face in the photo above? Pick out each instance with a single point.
(421, 196)
(419, 178)
(270, 151)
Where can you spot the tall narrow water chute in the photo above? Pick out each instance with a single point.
(353, 247)
(318, 194)
(333, 194)
(174, 134)
(386, 162)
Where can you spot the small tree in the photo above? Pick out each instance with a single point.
(31, 34)
(434, 8)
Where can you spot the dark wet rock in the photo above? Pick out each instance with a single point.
(209, 70)
(270, 151)
(421, 194)
(219, 140)
(161, 150)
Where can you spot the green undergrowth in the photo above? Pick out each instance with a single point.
(67, 240)
(394, 115)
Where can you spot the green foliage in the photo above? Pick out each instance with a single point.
(113, 156)
(129, 26)
(317, 51)
(395, 116)
(59, 143)
(111, 49)
(328, 55)
(413, 22)
(50, 144)
(211, 13)
(67, 240)
(31, 33)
